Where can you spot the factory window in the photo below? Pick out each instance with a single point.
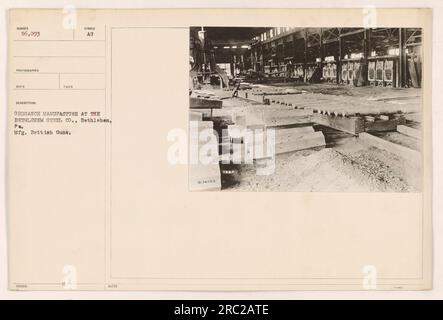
(394, 51)
(356, 55)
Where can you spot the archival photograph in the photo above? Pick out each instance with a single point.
(305, 109)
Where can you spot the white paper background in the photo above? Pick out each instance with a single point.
(436, 293)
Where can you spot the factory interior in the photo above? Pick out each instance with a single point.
(341, 108)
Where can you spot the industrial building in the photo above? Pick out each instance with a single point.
(335, 109)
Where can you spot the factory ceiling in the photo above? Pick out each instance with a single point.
(228, 34)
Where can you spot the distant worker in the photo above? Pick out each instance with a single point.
(289, 70)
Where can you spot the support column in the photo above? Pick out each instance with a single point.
(252, 60)
(366, 53)
(402, 57)
(322, 53)
(340, 52)
(305, 55)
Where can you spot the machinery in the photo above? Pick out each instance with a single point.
(203, 69)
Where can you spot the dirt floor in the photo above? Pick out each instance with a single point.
(348, 90)
(349, 166)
